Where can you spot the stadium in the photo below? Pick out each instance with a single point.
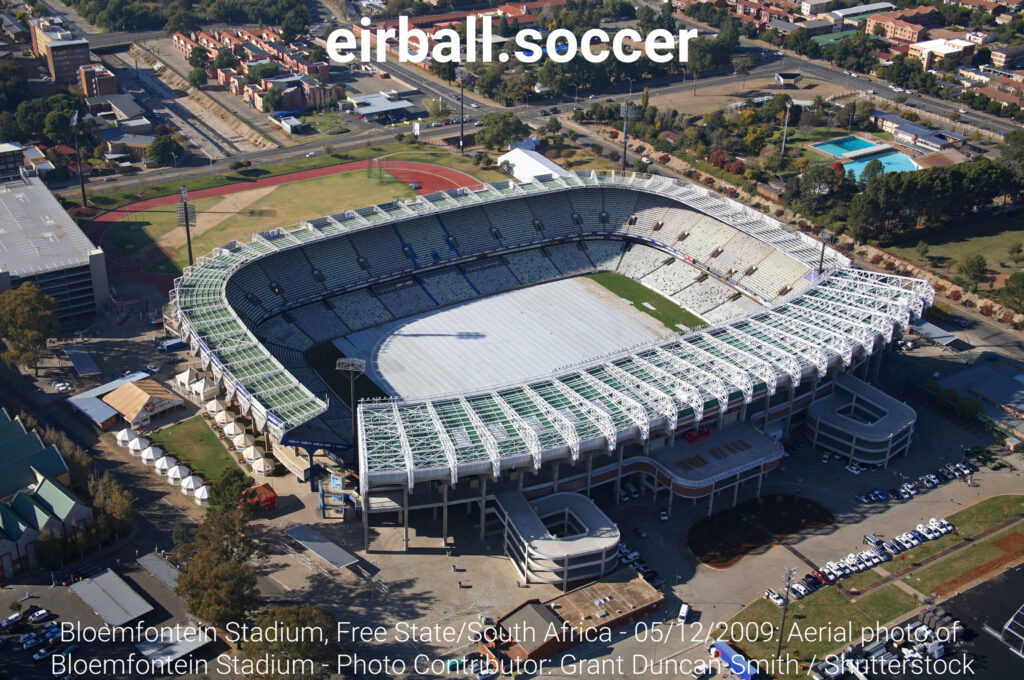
(502, 374)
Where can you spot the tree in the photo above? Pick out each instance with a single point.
(294, 23)
(227, 532)
(198, 57)
(27, 321)
(164, 149)
(1012, 158)
(272, 99)
(226, 492)
(308, 625)
(742, 65)
(921, 249)
(218, 590)
(501, 130)
(225, 59)
(180, 534)
(258, 73)
(13, 84)
(437, 108)
(973, 267)
(443, 70)
(552, 126)
(197, 77)
(113, 500)
(1012, 294)
(873, 169)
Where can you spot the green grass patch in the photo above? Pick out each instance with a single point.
(323, 357)
(861, 580)
(991, 236)
(665, 310)
(963, 562)
(826, 610)
(194, 444)
(406, 152)
(968, 522)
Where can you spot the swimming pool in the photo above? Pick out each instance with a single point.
(892, 161)
(838, 147)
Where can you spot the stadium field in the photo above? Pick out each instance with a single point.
(664, 310)
(498, 339)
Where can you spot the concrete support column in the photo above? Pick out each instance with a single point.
(483, 506)
(444, 515)
(736, 493)
(554, 477)
(618, 473)
(671, 496)
(760, 478)
(590, 473)
(364, 499)
(405, 517)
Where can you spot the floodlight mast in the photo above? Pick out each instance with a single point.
(787, 581)
(352, 368)
(626, 110)
(184, 219)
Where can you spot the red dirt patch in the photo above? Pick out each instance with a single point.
(1013, 547)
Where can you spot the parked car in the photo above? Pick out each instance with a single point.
(684, 613)
(38, 616)
(43, 653)
(663, 514)
(774, 597)
(854, 468)
(640, 532)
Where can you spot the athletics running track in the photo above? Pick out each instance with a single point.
(430, 177)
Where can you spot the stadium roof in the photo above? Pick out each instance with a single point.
(826, 322)
(111, 598)
(36, 234)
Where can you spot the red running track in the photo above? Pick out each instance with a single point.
(429, 176)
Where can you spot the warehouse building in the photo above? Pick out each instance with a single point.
(40, 242)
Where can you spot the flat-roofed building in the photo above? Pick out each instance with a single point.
(96, 80)
(954, 52)
(54, 43)
(40, 242)
(1003, 56)
(12, 157)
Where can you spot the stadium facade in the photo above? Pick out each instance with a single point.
(779, 334)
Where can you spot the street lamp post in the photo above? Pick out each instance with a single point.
(785, 129)
(787, 581)
(626, 111)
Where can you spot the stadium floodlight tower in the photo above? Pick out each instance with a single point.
(186, 218)
(352, 369)
(627, 111)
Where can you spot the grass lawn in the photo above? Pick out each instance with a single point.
(862, 579)
(328, 121)
(287, 204)
(962, 563)
(410, 152)
(969, 522)
(665, 310)
(826, 610)
(990, 236)
(584, 159)
(194, 444)
(143, 229)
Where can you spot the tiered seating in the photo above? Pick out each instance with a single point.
(639, 261)
(359, 309)
(514, 221)
(569, 259)
(490, 276)
(382, 250)
(649, 209)
(319, 321)
(292, 272)
(588, 206)
(773, 273)
(530, 266)
(426, 237)
(250, 279)
(289, 358)
(604, 254)
(671, 278)
(619, 204)
(280, 332)
(739, 253)
(447, 285)
(336, 259)
(733, 308)
(403, 298)
(705, 236)
(555, 211)
(704, 295)
(471, 230)
(678, 221)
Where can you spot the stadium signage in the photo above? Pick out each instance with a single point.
(560, 45)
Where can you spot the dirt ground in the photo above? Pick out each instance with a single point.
(710, 99)
(1013, 547)
(232, 203)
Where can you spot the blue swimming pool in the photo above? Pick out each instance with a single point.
(892, 161)
(838, 147)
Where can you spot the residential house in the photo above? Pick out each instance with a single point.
(59, 502)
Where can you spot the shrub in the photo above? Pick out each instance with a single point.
(664, 158)
(986, 308)
(780, 212)
(955, 294)
(1007, 317)
(876, 258)
(939, 287)
(889, 265)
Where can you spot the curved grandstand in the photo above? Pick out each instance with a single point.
(776, 328)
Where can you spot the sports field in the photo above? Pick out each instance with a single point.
(648, 301)
(498, 339)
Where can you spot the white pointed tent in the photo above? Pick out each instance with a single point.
(252, 453)
(164, 464)
(224, 417)
(203, 389)
(150, 453)
(233, 429)
(126, 435)
(263, 467)
(187, 377)
(243, 440)
(202, 495)
(190, 484)
(178, 473)
(138, 444)
(215, 406)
